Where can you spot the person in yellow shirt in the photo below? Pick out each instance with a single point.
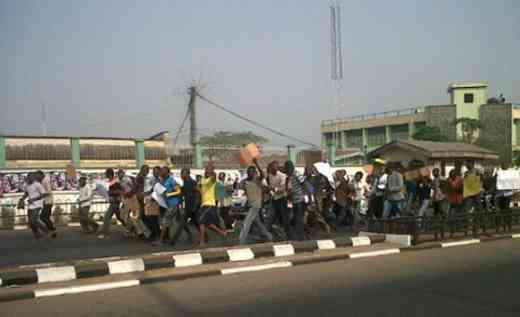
(208, 216)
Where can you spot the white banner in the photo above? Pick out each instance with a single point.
(508, 179)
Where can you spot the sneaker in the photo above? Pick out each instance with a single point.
(54, 234)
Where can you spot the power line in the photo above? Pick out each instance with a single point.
(181, 126)
(257, 124)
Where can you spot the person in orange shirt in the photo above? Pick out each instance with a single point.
(455, 193)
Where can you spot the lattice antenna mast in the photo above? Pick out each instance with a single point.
(336, 59)
(43, 119)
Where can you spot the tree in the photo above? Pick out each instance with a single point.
(427, 133)
(469, 128)
(232, 139)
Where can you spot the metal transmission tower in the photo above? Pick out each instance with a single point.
(336, 59)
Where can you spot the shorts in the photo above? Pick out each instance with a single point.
(208, 215)
(168, 217)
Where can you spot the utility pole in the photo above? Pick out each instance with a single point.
(194, 138)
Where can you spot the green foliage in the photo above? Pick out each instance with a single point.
(469, 129)
(516, 159)
(232, 139)
(427, 133)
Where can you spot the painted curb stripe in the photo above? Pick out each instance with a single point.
(126, 266)
(360, 241)
(191, 259)
(458, 243)
(256, 268)
(56, 274)
(283, 250)
(20, 227)
(240, 254)
(326, 244)
(373, 253)
(515, 236)
(73, 224)
(84, 288)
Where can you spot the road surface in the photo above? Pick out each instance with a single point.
(20, 247)
(476, 280)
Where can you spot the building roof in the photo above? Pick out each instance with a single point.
(478, 84)
(438, 150)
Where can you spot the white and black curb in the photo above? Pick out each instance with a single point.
(107, 266)
(183, 260)
(13, 295)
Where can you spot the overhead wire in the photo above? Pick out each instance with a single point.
(255, 123)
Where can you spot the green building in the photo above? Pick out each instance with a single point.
(500, 122)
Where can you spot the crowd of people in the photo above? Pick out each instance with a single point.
(16, 182)
(281, 203)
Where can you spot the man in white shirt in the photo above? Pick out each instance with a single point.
(276, 181)
(88, 225)
(35, 193)
(48, 201)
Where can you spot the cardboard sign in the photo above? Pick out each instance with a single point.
(248, 153)
(471, 185)
(415, 174)
(369, 169)
(70, 171)
(508, 179)
(411, 175)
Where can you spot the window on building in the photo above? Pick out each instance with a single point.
(399, 132)
(354, 138)
(376, 137)
(468, 98)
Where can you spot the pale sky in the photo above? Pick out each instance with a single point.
(120, 68)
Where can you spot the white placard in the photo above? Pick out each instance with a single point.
(508, 179)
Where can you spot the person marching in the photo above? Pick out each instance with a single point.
(253, 186)
(88, 225)
(208, 216)
(47, 203)
(114, 193)
(35, 193)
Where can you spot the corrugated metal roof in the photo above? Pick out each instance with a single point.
(439, 149)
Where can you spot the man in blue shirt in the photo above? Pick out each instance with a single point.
(172, 194)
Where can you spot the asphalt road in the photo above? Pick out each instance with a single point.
(20, 247)
(477, 280)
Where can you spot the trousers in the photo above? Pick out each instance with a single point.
(35, 222)
(87, 223)
(114, 208)
(253, 217)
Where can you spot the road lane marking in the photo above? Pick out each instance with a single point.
(515, 236)
(56, 274)
(256, 268)
(373, 253)
(190, 259)
(283, 249)
(84, 288)
(458, 243)
(126, 266)
(326, 244)
(240, 254)
(360, 241)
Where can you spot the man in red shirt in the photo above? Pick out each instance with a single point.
(455, 193)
